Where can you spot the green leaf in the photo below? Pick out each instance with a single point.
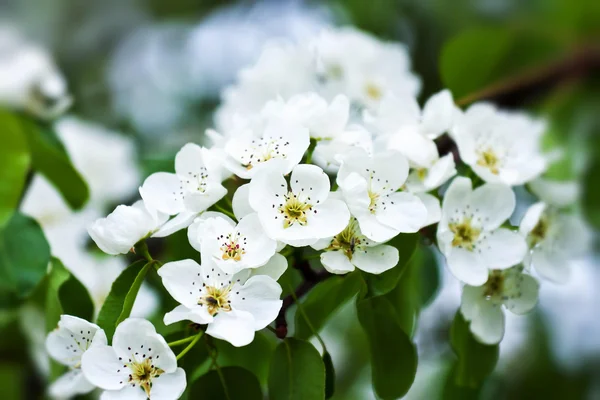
(14, 164)
(133, 292)
(323, 300)
(476, 361)
(393, 355)
(83, 306)
(24, 257)
(329, 375)
(121, 294)
(297, 372)
(51, 160)
(254, 357)
(480, 56)
(386, 281)
(228, 383)
(57, 277)
(591, 194)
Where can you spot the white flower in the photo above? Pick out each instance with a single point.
(329, 153)
(324, 121)
(138, 365)
(29, 79)
(500, 146)
(555, 193)
(67, 344)
(370, 188)
(555, 240)
(124, 227)
(301, 214)
(362, 67)
(236, 247)
(195, 231)
(350, 249)
(482, 305)
(397, 112)
(233, 306)
(427, 178)
(194, 187)
(281, 140)
(469, 233)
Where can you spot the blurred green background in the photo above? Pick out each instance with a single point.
(153, 70)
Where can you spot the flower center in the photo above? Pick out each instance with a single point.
(142, 373)
(216, 299)
(231, 249)
(465, 234)
(539, 232)
(489, 160)
(374, 197)
(335, 71)
(265, 150)
(494, 286)
(422, 173)
(347, 240)
(373, 91)
(294, 210)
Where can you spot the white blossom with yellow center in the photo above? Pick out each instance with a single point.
(67, 344)
(302, 213)
(233, 306)
(469, 233)
(500, 146)
(350, 249)
(235, 247)
(482, 305)
(139, 365)
(370, 186)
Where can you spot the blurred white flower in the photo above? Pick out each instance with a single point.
(29, 79)
(556, 193)
(555, 239)
(482, 305)
(500, 146)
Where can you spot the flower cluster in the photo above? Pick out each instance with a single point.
(325, 147)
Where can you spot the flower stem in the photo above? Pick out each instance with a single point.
(141, 248)
(224, 211)
(181, 341)
(189, 346)
(310, 325)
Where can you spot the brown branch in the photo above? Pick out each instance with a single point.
(311, 279)
(514, 90)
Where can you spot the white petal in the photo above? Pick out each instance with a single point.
(502, 248)
(70, 384)
(68, 342)
(260, 297)
(403, 212)
(551, 265)
(525, 296)
(441, 170)
(274, 268)
(488, 324)
(241, 202)
(136, 337)
(310, 180)
(531, 218)
(467, 267)
(168, 386)
(336, 262)
(388, 172)
(373, 229)
(330, 218)
(200, 201)
(101, 366)
(471, 297)
(161, 191)
(175, 224)
(266, 189)
(355, 192)
(196, 229)
(419, 149)
(198, 315)
(127, 393)
(259, 247)
(376, 260)
(432, 204)
(236, 327)
(438, 114)
(495, 202)
(457, 196)
(557, 193)
(182, 279)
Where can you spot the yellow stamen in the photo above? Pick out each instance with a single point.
(216, 299)
(465, 235)
(490, 160)
(294, 210)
